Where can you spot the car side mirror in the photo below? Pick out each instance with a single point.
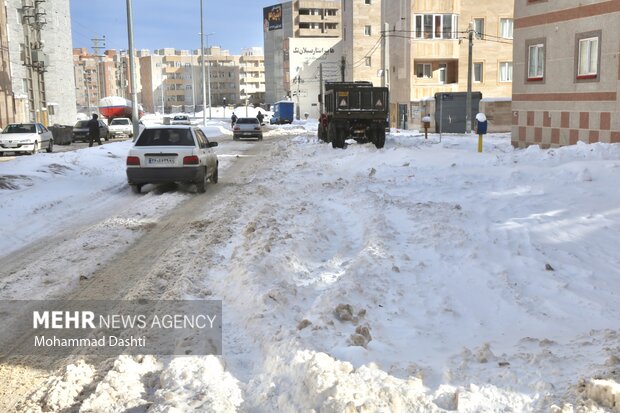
(212, 144)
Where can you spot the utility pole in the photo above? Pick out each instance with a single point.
(209, 74)
(298, 90)
(97, 50)
(470, 35)
(135, 115)
(321, 86)
(202, 65)
(386, 56)
(343, 66)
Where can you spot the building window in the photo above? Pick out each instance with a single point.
(478, 72)
(423, 71)
(435, 26)
(368, 2)
(588, 58)
(368, 61)
(367, 30)
(443, 69)
(479, 28)
(505, 72)
(536, 62)
(505, 27)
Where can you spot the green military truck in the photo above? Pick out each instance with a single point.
(354, 110)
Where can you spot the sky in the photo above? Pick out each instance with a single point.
(236, 24)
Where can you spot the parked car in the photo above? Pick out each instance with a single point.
(26, 137)
(247, 128)
(172, 154)
(121, 127)
(80, 131)
(180, 120)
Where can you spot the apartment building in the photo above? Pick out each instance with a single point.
(299, 35)
(172, 79)
(567, 72)
(363, 43)
(7, 107)
(252, 75)
(42, 79)
(427, 48)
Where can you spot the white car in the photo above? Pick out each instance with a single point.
(121, 127)
(25, 137)
(180, 120)
(172, 154)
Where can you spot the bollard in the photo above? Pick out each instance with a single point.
(481, 128)
(426, 123)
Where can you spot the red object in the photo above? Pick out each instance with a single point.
(133, 161)
(191, 160)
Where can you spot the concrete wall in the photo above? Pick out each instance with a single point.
(560, 108)
(307, 55)
(274, 56)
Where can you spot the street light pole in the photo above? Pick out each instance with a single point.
(135, 116)
(202, 65)
(209, 74)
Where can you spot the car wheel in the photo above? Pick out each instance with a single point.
(136, 188)
(201, 186)
(260, 138)
(107, 137)
(35, 148)
(50, 146)
(214, 176)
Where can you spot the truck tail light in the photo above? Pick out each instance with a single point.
(133, 161)
(191, 160)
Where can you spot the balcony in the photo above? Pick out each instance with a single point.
(435, 49)
(309, 33)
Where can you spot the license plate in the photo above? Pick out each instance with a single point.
(247, 133)
(10, 145)
(161, 160)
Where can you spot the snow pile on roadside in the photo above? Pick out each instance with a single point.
(420, 277)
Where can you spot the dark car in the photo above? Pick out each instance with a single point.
(247, 128)
(80, 131)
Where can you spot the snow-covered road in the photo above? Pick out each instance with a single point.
(421, 277)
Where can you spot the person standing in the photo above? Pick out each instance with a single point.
(260, 117)
(93, 131)
(233, 120)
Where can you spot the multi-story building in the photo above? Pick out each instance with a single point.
(427, 48)
(7, 108)
(567, 72)
(363, 42)
(172, 79)
(98, 76)
(42, 79)
(298, 36)
(252, 75)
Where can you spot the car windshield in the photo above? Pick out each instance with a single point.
(166, 137)
(120, 122)
(247, 120)
(20, 128)
(180, 118)
(82, 124)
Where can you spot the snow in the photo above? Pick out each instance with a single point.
(423, 277)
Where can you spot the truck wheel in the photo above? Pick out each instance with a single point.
(338, 140)
(379, 140)
(332, 135)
